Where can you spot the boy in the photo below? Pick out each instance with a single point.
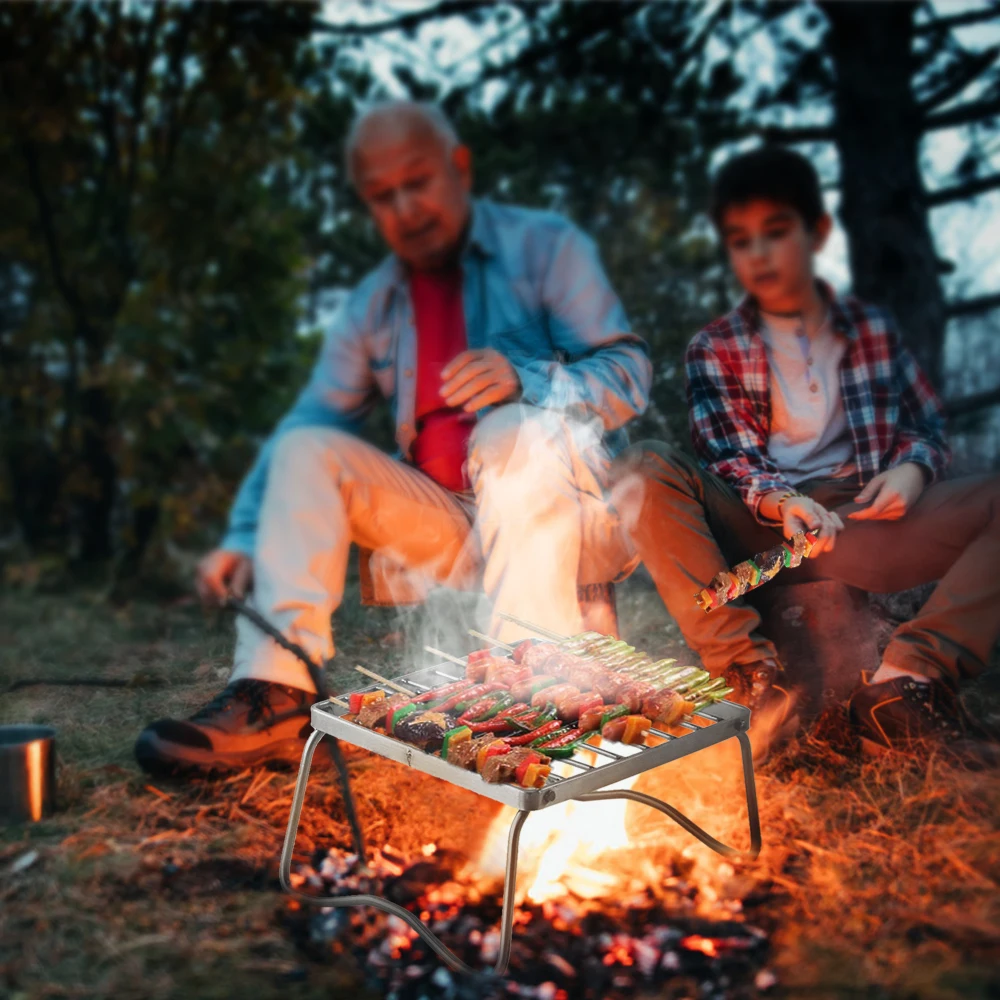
(808, 413)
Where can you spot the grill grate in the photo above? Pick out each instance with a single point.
(585, 777)
(592, 767)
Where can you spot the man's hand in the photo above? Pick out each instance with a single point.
(804, 514)
(479, 378)
(224, 572)
(891, 493)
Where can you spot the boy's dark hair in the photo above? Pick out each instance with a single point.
(771, 173)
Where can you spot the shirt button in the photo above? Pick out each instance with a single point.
(809, 361)
(813, 387)
(408, 373)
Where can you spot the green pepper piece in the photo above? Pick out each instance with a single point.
(504, 701)
(551, 736)
(398, 714)
(561, 753)
(548, 713)
(449, 738)
(614, 713)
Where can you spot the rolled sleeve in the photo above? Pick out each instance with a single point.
(725, 427)
(920, 435)
(608, 373)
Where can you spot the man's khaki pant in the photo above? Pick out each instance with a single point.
(687, 525)
(536, 524)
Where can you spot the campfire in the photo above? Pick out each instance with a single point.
(592, 896)
(608, 904)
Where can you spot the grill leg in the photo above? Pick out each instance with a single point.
(509, 884)
(377, 902)
(689, 825)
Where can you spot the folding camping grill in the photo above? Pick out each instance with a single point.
(583, 777)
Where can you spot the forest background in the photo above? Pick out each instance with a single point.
(176, 228)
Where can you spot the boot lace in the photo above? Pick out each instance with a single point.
(255, 694)
(924, 698)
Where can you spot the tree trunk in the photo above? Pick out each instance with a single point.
(878, 129)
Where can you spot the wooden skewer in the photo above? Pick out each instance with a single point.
(382, 680)
(338, 702)
(537, 629)
(490, 639)
(445, 656)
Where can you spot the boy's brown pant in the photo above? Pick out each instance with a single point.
(688, 524)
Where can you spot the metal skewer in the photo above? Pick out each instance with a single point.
(382, 680)
(490, 639)
(537, 629)
(446, 656)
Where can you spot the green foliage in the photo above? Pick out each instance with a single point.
(151, 205)
(174, 211)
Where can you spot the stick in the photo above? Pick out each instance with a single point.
(382, 680)
(319, 681)
(338, 702)
(490, 639)
(446, 656)
(537, 629)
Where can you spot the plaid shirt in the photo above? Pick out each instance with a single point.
(892, 411)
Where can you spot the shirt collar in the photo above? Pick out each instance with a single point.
(840, 320)
(482, 239)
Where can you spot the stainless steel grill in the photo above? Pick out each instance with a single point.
(583, 777)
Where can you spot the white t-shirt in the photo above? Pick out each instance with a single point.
(810, 438)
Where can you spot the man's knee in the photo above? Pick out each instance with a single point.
(515, 437)
(654, 460)
(304, 449)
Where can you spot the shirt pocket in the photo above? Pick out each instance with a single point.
(382, 360)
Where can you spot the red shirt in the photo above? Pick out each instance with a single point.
(442, 442)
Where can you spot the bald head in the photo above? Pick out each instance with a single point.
(414, 176)
(392, 120)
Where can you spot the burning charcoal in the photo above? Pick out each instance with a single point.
(414, 882)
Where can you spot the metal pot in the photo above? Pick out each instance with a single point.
(27, 773)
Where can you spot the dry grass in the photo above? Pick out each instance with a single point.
(876, 880)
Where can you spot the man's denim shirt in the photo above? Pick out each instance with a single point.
(534, 290)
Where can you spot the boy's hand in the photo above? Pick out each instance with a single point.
(479, 378)
(891, 493)
(804, 514)
(224, 572)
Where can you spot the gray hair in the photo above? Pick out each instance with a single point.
(430, 113)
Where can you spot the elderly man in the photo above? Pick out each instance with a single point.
(512, 370)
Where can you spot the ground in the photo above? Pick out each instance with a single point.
(877, 879)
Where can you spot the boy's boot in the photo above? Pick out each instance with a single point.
(760, 687)
(907, 716)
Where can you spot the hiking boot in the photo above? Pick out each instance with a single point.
(758, 686)
(248, 722)
(907, 716)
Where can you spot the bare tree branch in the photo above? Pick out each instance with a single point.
(796, 133)
(972, 404)
(959, 192)
(964, 114)
(977, 304)
(941, 25)
(962, 75)
(405, 22)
